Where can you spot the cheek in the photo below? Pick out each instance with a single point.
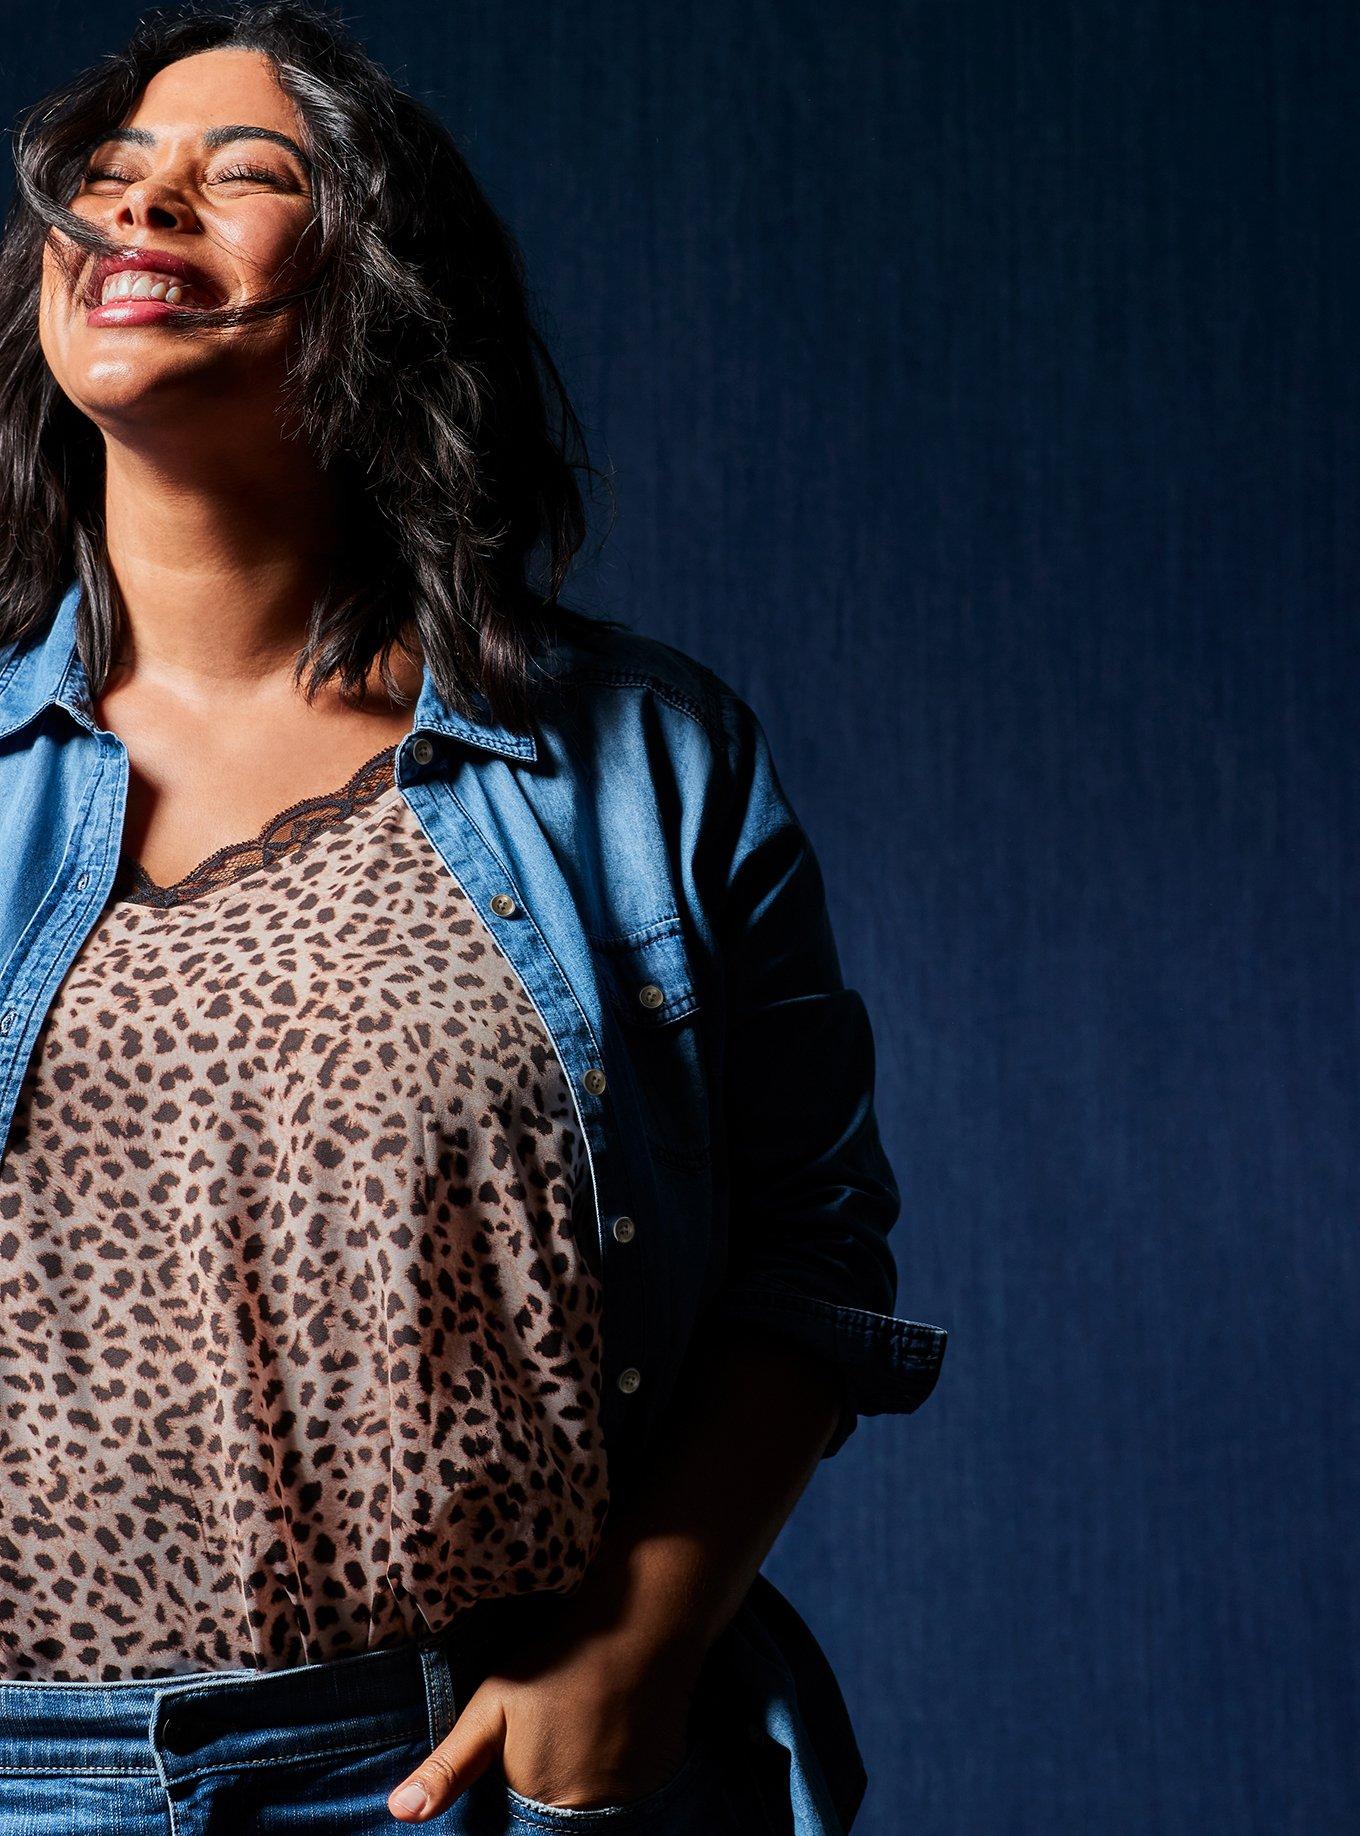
(53, 280)
(58, 307)
(50, 298)
(263, 245)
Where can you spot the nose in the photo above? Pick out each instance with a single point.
(152, 204)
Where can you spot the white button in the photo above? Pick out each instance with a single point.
(650, 995)
(82, 882)
(623, 1229)
(594, 1080)
(502, 905)
(629, 1379)
(423, 751)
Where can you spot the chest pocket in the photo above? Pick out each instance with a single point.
(648, 984)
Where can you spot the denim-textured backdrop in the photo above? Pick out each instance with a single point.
(980, 384)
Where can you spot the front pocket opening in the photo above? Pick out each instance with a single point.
(615, 1812)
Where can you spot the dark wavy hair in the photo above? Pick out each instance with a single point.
(420, 381)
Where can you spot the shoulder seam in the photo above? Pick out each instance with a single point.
(703, 716)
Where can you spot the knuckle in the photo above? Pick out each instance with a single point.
(438, 1769)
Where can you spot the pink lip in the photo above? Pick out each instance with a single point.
(133, 312)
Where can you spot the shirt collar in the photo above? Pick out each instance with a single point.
(47, 672)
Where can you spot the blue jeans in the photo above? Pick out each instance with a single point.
(311, 1751)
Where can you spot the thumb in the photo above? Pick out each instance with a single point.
(463, 1755)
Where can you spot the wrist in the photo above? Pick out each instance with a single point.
(642, 1610)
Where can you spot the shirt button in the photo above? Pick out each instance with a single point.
(624, 1229)
(423, 751)
(594, 1080)
(82, 882)
(650, 995)
(502, 905)
(630, 1379)
(7, 1019)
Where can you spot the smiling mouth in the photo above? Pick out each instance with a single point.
(146, 287)
(147, 284)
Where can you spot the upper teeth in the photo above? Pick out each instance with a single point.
(142, 284)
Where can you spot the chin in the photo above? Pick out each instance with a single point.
(134, 368)
(116, 387)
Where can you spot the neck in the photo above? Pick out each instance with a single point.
(218, 564)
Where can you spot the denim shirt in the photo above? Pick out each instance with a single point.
(638, 862)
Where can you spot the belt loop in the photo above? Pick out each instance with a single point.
(168, 1767)
(441, 1709)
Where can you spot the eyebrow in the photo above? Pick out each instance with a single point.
(212, 138)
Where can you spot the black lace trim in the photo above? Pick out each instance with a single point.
(282, 835)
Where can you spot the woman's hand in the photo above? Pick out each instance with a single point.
(576, 1719)
(592, 1704)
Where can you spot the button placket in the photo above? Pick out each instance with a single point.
(482, 876)
(623, 1230)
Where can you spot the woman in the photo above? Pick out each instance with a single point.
(444, 1216)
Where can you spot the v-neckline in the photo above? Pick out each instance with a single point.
(235, 860)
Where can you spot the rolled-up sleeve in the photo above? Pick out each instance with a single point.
(813, 1196)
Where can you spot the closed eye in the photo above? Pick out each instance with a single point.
(236, 174)
(257, 173)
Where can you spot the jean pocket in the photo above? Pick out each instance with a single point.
(652, 1810)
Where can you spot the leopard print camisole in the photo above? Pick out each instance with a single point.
(299, 1354)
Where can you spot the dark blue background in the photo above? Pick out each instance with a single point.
(979, 382)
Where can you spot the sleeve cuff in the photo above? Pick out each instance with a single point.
(887, 1365)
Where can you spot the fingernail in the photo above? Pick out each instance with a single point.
(412, 1797)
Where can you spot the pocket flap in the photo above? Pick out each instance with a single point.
(648, 979)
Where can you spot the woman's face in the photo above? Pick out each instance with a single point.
(193, 178)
